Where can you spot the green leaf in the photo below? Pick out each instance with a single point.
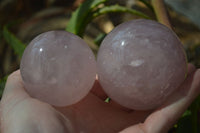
(147, 3)
(14, 42)
(107, 100)
(118, 8)
(89, 10)
(81, 17)
(99, 39)
(2, 85)
(186, 113)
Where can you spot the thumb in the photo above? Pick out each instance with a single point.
(14, 92)
(14, 88)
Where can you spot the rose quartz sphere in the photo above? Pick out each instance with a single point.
(58, 67)
(140, 63)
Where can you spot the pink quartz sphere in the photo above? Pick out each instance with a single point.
(58, 67)
(140, 64)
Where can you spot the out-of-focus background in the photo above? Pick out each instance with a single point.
(28, 18)
(25, 19)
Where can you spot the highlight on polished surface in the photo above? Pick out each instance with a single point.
(58, 67)
(140, 63)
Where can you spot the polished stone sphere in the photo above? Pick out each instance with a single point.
(140, 63)
(58, 67)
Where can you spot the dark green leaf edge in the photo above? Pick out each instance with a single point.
(2, 85)
(79, 18)
(147, 3)
(14, 42)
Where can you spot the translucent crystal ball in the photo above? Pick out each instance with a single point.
(58, 67)
(140, 63)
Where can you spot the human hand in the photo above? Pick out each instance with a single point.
(22, 114)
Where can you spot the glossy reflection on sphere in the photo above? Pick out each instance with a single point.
(58, 67)
(140, 63)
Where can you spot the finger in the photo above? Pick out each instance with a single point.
(98, 91)
(14, 91)
(191, 68)
(21, 113)
(162, 119)
(14, 86)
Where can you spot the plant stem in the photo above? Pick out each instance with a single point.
(118, 8)
(161, 12)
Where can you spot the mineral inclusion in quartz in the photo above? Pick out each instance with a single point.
(58, 67)
(140, 63)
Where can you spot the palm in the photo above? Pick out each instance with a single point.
(90, 115)
(21, 113)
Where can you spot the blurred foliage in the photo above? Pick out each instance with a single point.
(14, 42)
(148, 4)
(89, 10)
(2, 84)
(81, 17)
(189, 123)
(118, 8)
(99, 39)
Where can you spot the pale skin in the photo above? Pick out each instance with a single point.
(22, 114)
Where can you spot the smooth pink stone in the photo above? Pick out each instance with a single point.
(140, 63)
(58, 67)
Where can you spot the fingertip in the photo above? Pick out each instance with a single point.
(197, 78)
(14, 80)
(191, 87)
(14, 86)
(14, 76)
(177, 103)
(198, 71)
(191, 68)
